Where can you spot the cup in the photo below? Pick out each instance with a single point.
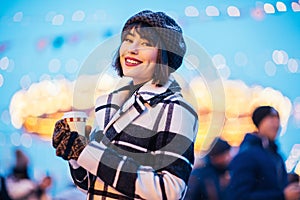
(76, 121)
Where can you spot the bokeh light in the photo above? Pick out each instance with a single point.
(219, 61)
(296, 6)
(1, 80)
(72, 66)
(58, 20)
(293, 65)
(212, 11)
(281, 7)
(15, 139)
(240, 59)
(18, 17)
(224, 72)
(25, 82)
(280, 57)
(257, 13)
(54, 65)
(11, 65)
(270, 68)
(42, 44)
(233, 11)
(26, 140)
(4, 63)
(3, 47)
(296, 111)
(58, 42)
(191, 11)
(78, 16)
(44, 77)
(5, 117)
(269, 8)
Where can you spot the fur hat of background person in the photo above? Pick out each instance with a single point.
(261, 112)
(219, 147)
(169, 31)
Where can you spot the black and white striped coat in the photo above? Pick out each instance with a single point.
(148, 148)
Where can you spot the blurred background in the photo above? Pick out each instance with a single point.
(254, 46)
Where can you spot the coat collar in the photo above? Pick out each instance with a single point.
(126, 93)
(149, 90)
(253, 139)
(135, 105)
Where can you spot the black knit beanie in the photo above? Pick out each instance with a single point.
(261, 112)
(219, 146)
(169, 31)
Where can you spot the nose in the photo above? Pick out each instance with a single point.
(133, 48)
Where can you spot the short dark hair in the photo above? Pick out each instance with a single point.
(161, 71)
(261, 112)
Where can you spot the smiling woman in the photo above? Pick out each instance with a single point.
(142, 142)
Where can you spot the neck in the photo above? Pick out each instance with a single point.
(265, 141)
(139, 82)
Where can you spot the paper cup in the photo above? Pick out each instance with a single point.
(76, 121)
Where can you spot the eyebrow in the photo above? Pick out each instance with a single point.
(129, 33)
(134, 34)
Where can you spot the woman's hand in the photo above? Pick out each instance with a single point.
(68, 144)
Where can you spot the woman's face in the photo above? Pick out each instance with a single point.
(137, 57)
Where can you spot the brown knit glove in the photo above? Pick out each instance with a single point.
(68, 144)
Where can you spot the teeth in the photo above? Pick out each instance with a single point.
(132, 61)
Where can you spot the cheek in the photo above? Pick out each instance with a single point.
(121, 50)
(152, 56)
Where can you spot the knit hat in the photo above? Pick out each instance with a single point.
(219, 146)
(169, 31)
(261, 112)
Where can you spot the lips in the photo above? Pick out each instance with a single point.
(132, 62)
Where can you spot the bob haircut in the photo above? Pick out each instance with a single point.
(161, 71)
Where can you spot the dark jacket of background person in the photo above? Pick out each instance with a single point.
(209, 181)
(3, 190)
(257, 171)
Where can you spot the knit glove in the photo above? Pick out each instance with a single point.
(68, 144)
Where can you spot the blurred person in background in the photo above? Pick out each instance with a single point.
(20, 186)
(258, 171)
(209, 181)
(142, 143)
(3, 189)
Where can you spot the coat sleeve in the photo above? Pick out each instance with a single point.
(80, 175)
(243, 179)
(129, 177)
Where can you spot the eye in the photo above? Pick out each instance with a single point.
(127, 40)
(146, 43)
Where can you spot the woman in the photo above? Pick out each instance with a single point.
(142, 143)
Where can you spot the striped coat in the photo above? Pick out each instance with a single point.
(142, 146)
